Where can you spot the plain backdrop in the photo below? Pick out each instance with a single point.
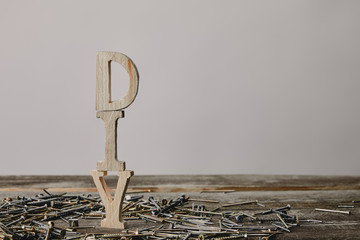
(226, 87)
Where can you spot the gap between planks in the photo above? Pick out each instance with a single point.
(191, 189)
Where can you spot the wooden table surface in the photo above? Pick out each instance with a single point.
(303, 193)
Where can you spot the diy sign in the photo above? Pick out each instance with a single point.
(110, 111)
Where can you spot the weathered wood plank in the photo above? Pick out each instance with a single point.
(303, 201)
(244, 181)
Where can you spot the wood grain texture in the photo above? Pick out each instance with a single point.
(303, 193)
(190, 189)
(110, 162)
(103, 81)
(113, 206)
(255, 182)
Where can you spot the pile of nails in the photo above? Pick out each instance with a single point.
(56, 216)
(33, 217)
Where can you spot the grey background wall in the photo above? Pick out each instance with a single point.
(226, 87)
